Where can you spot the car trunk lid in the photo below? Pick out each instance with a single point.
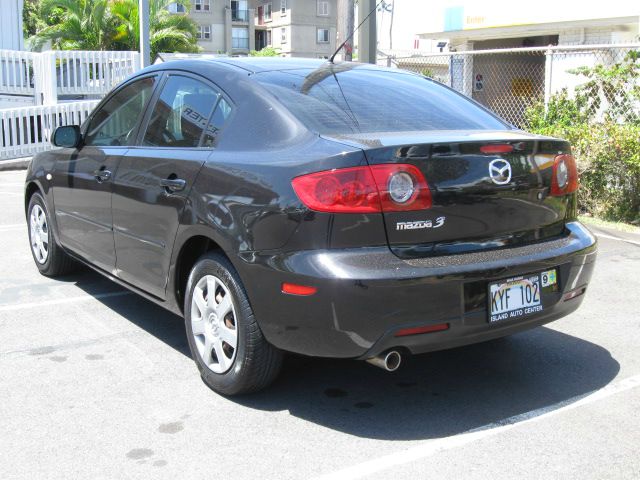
(490, 189)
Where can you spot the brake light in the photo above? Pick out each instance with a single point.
(374, 189)
(564, 179)
(496, 148)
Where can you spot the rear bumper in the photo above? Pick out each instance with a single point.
(366, 295)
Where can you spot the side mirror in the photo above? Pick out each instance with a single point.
(68, 136)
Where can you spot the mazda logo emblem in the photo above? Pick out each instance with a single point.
(500, 171)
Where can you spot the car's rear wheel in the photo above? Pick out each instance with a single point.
(49, 257)
(225, 340)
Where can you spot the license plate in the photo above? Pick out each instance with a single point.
(517, 297)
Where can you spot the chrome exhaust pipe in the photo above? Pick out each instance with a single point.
(389, 360)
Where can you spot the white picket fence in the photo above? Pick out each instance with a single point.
(49, 74)
(27, 130)
(40, 79)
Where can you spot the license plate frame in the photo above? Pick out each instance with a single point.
(517, 297)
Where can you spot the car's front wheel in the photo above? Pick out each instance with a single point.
(50, 259)
(225, 340)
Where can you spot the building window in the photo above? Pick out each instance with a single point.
(269, 37)
(202, 5)
(239, 11)
(283, 7)
(204, 32)
(323, 8)
(322, 35)
(177, 8)
(267, 12)
(240, 38)
(283, 35)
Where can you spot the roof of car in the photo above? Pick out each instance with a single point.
(263, 64)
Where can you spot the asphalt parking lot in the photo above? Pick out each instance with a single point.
(96, 382)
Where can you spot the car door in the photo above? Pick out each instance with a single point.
(156, 175)
(82, 177)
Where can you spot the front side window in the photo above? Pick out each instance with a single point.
(323, 35)
(283, 35)
(267, 12)
(283, 7)
(362, 100)
(323, 8)
(115, 122)
(181, 114)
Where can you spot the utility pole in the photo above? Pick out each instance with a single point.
(393, 8)
(145, 43)
(346, 14)
(367, 35)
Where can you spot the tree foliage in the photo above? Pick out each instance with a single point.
(109, 25)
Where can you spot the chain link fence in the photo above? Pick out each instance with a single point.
(511, 81)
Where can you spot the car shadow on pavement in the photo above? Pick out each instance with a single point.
(433, 395)
(162, 324)
(442, 393)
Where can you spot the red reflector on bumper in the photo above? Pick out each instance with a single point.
(405, 332)
(573, 293)
(293, 289)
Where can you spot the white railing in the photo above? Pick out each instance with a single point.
(27, 130)
(49, 74)
(16, 72)
(80, 72)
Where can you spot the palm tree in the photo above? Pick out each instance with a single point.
(75, 25)
(169, 32)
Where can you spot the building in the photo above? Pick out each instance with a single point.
(472, 25)
(11, 36)
(296, 28)
(527, 69)
(224, 26)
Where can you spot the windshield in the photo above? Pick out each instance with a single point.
(345, 98)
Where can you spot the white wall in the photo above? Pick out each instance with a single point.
(11, 25)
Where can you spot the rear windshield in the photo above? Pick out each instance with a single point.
(338, 100)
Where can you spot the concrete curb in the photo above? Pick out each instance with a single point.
(15, 164)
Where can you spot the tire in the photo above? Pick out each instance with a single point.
(48, 256)
(213, 322)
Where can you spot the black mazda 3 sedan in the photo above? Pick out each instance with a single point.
(333, 210)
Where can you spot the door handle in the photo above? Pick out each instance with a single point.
(173, 184)
(102, 174)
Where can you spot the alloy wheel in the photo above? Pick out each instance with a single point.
(213, 324)
(39, 230)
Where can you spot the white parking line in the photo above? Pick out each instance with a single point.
(12, 226)
(431, 447)
(59, 301)
(611, 237)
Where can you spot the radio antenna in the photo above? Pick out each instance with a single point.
(354, 31)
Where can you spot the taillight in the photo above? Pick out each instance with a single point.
(386, 187)
(564, 178)
(402, 187)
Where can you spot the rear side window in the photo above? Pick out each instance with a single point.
(182, 113)
(115, 122)
(334, 100)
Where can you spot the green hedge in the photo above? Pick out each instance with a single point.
(605, 142)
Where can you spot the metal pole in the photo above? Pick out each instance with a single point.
(145, 43)
(367, 36)
(346, 10)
